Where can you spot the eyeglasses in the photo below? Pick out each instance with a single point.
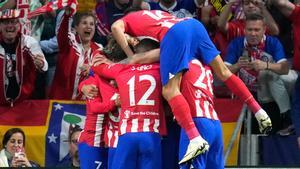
(10, 21)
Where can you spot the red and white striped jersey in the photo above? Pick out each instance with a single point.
(96, 112)
(155, 25)
(196, 87)
(112, 135)
(140, 95)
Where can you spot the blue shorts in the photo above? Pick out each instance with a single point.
(92, 157)
(185, 41)
(170, 145)
(111, 154)
(140, 150)
(211, 131)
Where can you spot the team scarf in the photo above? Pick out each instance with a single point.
(53, 6)
(253, 52)
(101, 19)
(23, 6)
(19, 70)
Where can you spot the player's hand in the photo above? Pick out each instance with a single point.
(90, 91)
(131, 40)
(99, 59)
(264, 121)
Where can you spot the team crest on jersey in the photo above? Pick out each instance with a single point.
(127, 114)
(198, 94)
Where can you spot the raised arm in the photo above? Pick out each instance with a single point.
(224, 16)
(285, 6)
(146, 57)
(270, 22)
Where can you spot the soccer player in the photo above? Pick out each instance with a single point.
(91, 147)
(196, 87)
(112, 135)
(112, 51)
(141, 110)
(182, 40)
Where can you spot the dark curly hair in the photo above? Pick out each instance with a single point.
(113, 50)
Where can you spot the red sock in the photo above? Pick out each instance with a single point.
(239, 89)
(182, 113)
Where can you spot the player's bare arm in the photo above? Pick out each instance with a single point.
(220, 69)
(118, 32)
(145, 57)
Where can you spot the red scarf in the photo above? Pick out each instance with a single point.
(51, 6)
(255, 51)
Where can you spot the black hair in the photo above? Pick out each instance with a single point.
(113, 50)
(11, 132)
(145, 45)
(255, 17)
(72, 130)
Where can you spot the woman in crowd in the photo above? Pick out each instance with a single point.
(13, 152)
(75, 51)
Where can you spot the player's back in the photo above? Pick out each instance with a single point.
(155, 23)
(140, 96)
(196, 87)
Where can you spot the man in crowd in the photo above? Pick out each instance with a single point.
(20, 59)
(260, 61)
(234, 28)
